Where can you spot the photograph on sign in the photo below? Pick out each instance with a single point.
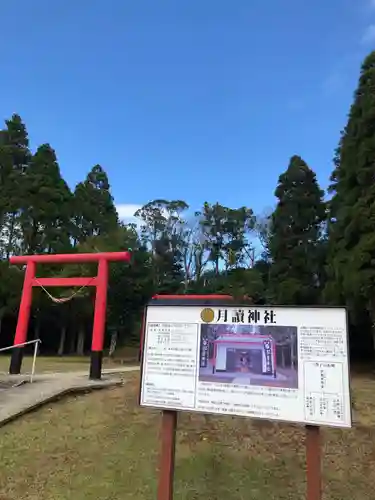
(249, 354)
(279, 363)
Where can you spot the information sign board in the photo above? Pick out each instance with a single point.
(277, 363)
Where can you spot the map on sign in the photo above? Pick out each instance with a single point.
(279, 363)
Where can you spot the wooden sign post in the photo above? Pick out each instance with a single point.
(271, 363)
(167, 455)
(313, 463)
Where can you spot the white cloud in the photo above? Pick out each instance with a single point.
(369, 34)
(126, 211)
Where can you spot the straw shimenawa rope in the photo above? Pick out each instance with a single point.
(62, 300)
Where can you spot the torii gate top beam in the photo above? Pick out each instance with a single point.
(71, 258)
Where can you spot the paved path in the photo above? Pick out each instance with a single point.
(46, 387)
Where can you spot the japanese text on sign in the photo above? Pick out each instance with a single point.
(249, 316)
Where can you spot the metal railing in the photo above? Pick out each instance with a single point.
(36, 342)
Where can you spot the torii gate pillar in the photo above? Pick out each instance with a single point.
(100, 281)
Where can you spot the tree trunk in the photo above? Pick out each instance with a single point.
(9, 245)
(60, 352)
(37, 328)
(81, 341)
(72, 343)
(113, 344)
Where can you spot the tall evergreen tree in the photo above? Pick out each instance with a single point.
(94, 208)
(351, 257)
(47, 205)
(294, 239)
(14, 159)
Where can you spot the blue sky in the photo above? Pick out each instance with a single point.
(192, 99)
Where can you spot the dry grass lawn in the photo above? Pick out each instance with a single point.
(45, 364)
(102, 446)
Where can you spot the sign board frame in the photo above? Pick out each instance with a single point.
(169, 421)
(314, 389)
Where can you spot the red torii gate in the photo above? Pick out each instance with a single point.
(100, 281)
